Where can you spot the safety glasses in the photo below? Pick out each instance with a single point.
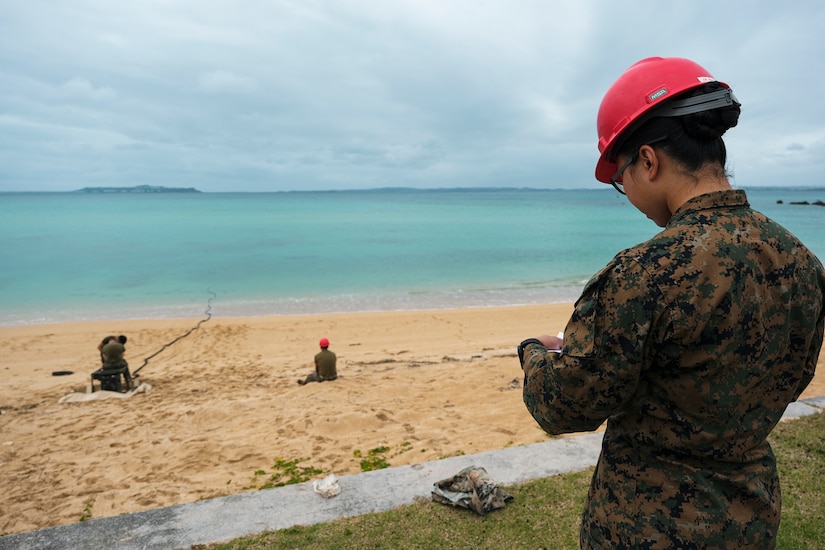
(616, 180)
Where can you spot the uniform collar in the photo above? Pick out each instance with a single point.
(727, 198)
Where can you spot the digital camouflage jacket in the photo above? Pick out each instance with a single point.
(691, 345)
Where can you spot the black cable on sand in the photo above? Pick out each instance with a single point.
(208, 314)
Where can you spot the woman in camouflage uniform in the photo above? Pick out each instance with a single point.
(692, 344)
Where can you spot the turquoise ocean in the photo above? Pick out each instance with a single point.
(84, 256)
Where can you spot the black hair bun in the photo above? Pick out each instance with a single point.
(711, 125)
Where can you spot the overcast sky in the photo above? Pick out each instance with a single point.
(271, 95)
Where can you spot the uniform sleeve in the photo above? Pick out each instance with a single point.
(599, 368)
(812, 307)
(814, 350)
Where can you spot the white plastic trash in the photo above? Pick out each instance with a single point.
(327, 487)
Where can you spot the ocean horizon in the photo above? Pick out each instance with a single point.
(108, 256)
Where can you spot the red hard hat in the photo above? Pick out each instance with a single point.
(324, 343)
(645, 85)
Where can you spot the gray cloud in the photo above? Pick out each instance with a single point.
(277, 95)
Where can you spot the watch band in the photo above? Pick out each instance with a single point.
(525, 344)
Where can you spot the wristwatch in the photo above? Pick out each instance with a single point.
(525, 344)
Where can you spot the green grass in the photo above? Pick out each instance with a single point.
(545, 513)
(800, 449)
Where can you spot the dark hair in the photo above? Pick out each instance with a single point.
(692, 140)
(121, 339)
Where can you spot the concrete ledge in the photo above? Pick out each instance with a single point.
(798, 410)
(816, 401)
(227, 518)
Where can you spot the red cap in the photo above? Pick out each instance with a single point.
(324, 343)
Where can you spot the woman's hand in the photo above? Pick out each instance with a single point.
(551, 342)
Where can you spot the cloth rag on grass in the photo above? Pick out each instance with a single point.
(77, 397)
(471, 488)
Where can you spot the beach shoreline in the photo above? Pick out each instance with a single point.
(224, 404)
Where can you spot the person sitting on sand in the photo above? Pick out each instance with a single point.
(325, 362)
(112, 354)
(104, 342)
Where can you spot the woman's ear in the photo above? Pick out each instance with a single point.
(649, 161)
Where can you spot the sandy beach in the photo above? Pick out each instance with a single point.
(224, 403)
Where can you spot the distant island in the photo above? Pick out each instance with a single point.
(138, 189)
